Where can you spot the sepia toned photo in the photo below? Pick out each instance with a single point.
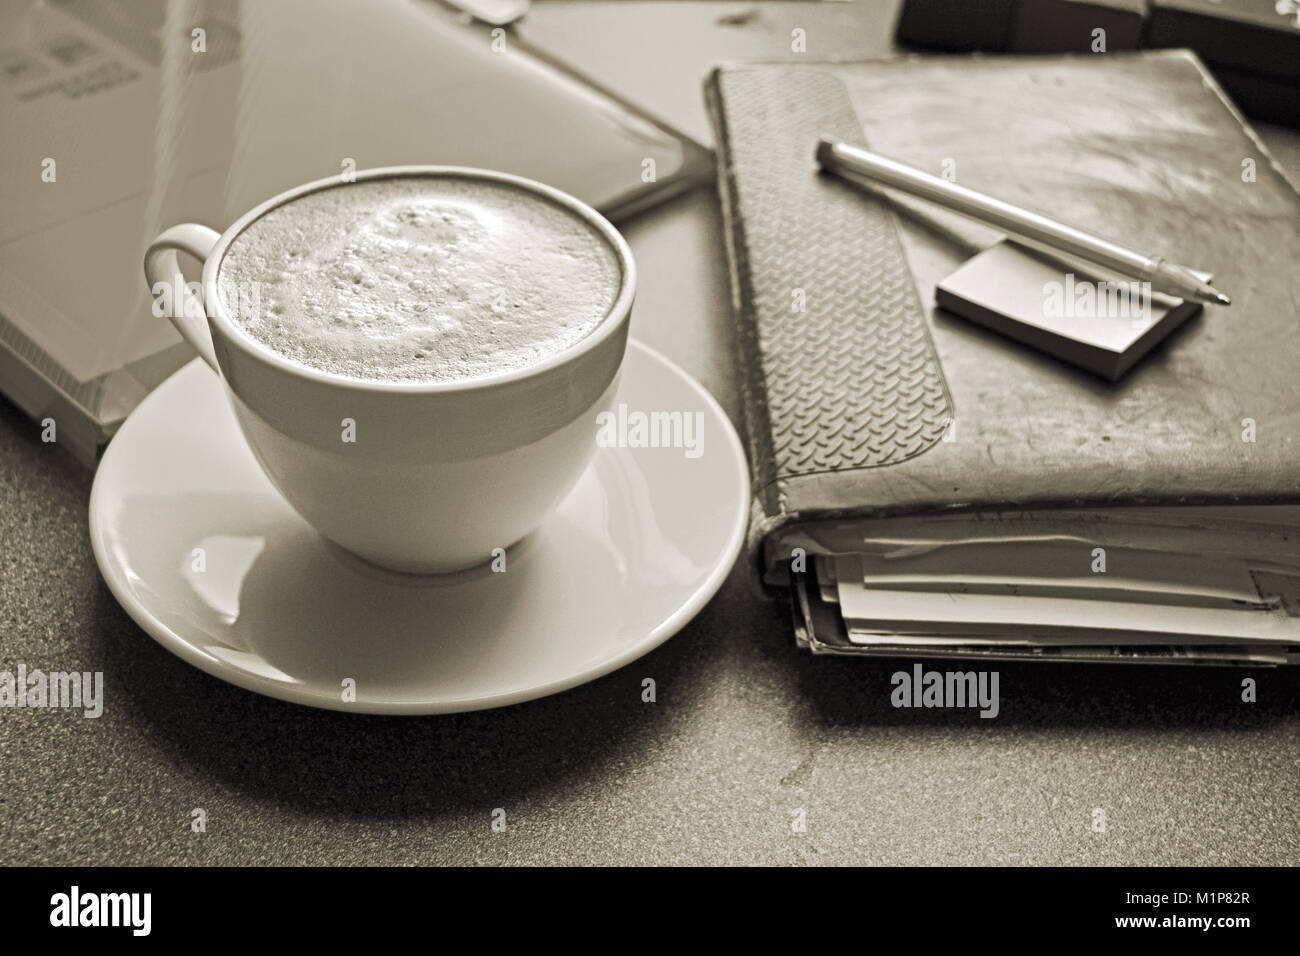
(651, 433)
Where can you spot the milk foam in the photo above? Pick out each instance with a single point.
(419, 279)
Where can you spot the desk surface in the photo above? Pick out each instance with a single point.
(745, 731)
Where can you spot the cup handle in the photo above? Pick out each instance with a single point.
(162, 265)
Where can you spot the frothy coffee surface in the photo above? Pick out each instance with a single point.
(419, 279)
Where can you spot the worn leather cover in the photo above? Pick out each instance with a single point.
(843, 374)
(1142, 148)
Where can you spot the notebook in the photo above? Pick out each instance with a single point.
(879, 424)
(148, 124)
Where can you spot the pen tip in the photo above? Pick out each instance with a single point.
(1222, 299)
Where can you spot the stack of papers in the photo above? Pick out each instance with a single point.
(1141, 587)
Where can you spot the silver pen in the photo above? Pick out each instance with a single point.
(1168, 277)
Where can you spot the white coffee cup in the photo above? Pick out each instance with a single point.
(438, 475)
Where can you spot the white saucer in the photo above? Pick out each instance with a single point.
(638, 548)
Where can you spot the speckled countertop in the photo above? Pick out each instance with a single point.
(745, 732)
